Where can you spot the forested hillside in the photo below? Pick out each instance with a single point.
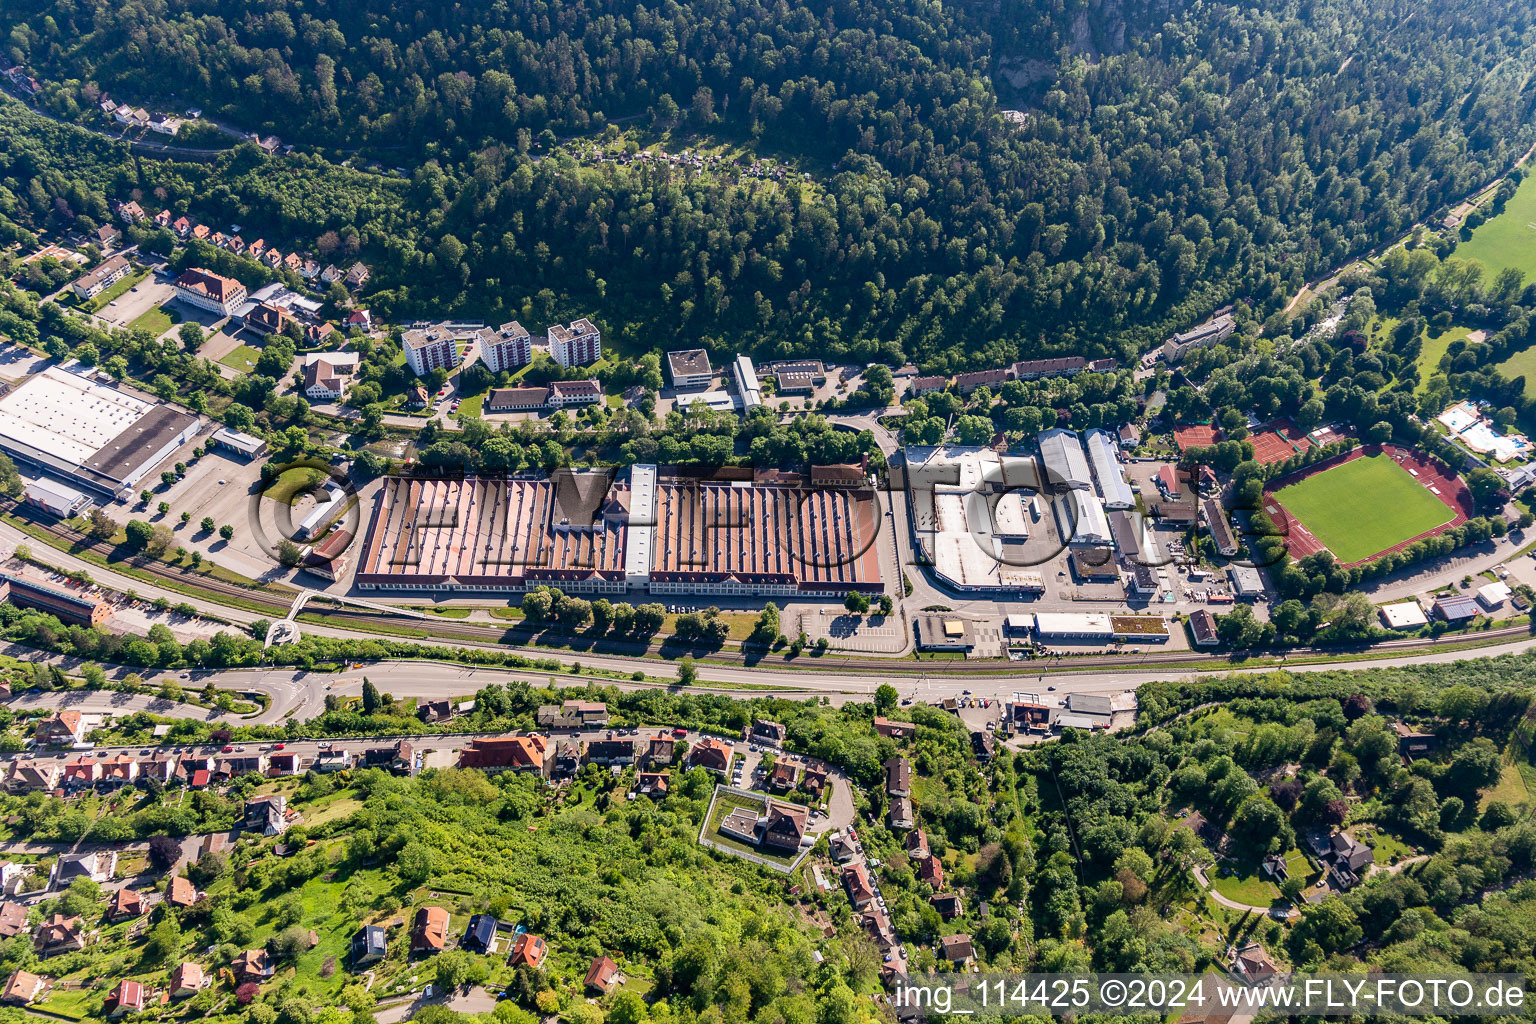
(1166, 163)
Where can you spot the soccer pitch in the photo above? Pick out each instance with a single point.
(1363, 507)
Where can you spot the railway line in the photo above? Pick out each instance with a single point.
(275, 601)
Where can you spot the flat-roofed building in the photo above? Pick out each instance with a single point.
(1247, 583)
(1209, 333)
(1074, 626)
(747, 383)
(1103, 451)
(799, 377)
(68, 607)
(85, 431)
(107, 273)
(505, 348)
(973, 541)
(207, 290)
(241, 444)
(1403, 615)
(689, 368)
(580, 344)
(430, 348)
(944, 632)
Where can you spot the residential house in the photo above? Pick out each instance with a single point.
(127, 997)
(785, 826)
(162, 219)
(182, 227)
(58, 934)
(268, 319)
(856, 881)
(917, 843)
(266, 815)
(781, 778)
(369, 946)
(81, 773)
(294, 262)
(1411, 742)
(898, 777)
(1350, 861)
(98, 867)
(480, 935)
(902, 815)
(567, 759)
(893, 730)
(187, 979)
(766, 733)
(273, 258)
(119, 771)
(231, 766)
(956, 949)
(434, 711)
(34, 776)
(12, 875)
(947, 904)
(506, 753)
(236, 244)
(601, 976)
(181, 892)
(131, 212)
(712, 754)
(201, 232)
(331, 274)
(1254, 963)
(357, 276)
(310, 270)
(842, 847)
(334, 760)
(814, 779)
(661, 748)
(13, 920)
(256, 248)
(23, 987)
(319, 333)
(573, 714)
(611, 751)
(107, 236)
(125, 903)
(527, 949)
(1202, 626)
(253, 965)
(931, 870)
(61, 729)
(164, 124)
(430, 931)
(653, 784)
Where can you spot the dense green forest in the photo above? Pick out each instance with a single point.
(1165, 163)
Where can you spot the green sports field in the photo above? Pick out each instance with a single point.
(1363, 507)
(1508, 239)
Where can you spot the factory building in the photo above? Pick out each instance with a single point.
(1103, 450)
(81, 429)
(590, 532)
(1061, 451)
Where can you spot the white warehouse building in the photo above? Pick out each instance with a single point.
(1102, 452)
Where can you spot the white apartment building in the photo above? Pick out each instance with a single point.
(429, 349)
(580, 344)
(505, 348)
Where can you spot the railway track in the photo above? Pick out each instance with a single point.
(383, 625)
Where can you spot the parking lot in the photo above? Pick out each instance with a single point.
(219, 485)
(143, 297)
(16, 363)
